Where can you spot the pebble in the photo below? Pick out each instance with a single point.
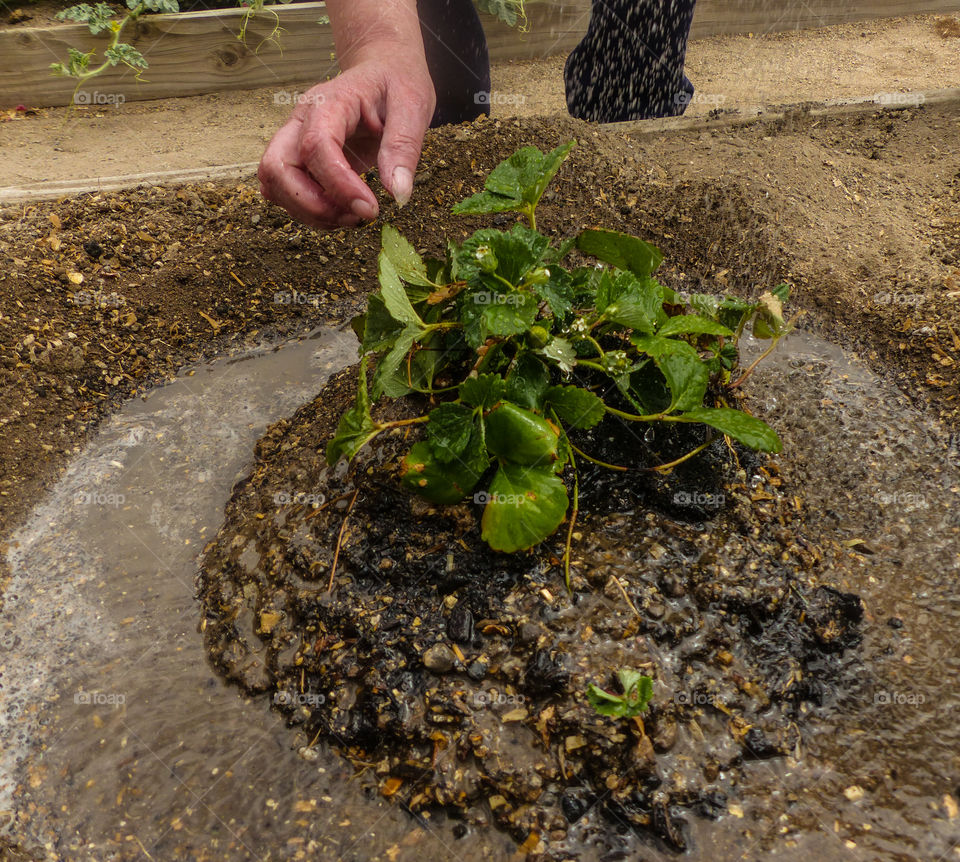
(439, 658)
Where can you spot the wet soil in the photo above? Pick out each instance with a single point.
(456, 678)
(861, 213)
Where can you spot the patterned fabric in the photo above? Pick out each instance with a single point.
(629, 66)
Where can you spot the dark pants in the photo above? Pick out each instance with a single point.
(629, 66)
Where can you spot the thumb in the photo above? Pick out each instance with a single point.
(407, 117)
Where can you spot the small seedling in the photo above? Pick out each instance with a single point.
(516, 352)
(100, 18)
(636, 697)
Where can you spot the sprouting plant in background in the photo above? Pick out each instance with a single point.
(508, 11)
(101, 18)
(636, 697)
(518, 354)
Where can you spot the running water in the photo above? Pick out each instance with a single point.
(118, 739)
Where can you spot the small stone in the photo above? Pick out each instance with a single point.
(439, 658)
(477, 670)
(460, 625)
(854, 793)
(666, 736)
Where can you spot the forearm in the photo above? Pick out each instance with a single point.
(365, 29)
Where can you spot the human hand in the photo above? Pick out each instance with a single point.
(372, 114)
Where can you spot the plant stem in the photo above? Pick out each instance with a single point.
(399, 423)
(597, 461)
(754, 364)
(666, 468)
(573, 521)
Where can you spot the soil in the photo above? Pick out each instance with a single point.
(453, 677)
(860, 212)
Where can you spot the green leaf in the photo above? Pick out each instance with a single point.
(635, 684)
(394, 295)
(390, 378)
(518, 182)
(525, 505)
(686, 373)
(561, 351)
(527, 381)
(483, 203)
(504, 10)
(749, 430)
(406, 261)
(517, 251)
(577, 407)
(356, 426)
(510, 319)
(605, 702)
(439, 482)
(518, 435)
(380, 329)
(632, 302)
(483, 391)
(557, 291)
(549, 165)
(692, 324)
(621, 250)
(449, 431)
(126, 54)
(705, 304)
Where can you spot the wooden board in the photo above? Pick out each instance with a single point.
(189, 53)
(198, 52)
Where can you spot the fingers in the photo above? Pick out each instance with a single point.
(328, 125)
(285, 181)
(408, 113)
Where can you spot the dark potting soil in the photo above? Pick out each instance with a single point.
(456, 677)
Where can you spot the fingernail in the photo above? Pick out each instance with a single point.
(363, 210)
(402, 185)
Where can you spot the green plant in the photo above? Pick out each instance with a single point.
(100, 18)
(637, 694)
(508, 11)
(516, 353)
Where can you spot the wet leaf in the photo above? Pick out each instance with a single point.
(524, 506)
(449, 431)
(406, 262)
(686, 374)
(749, 430)
(436, 481)
(692, 324)
(517, 435)
(356, 426)
(394, 295)
(483, 391)
(577, 407)
(621, 250)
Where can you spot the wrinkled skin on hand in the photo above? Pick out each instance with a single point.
(374, 114)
